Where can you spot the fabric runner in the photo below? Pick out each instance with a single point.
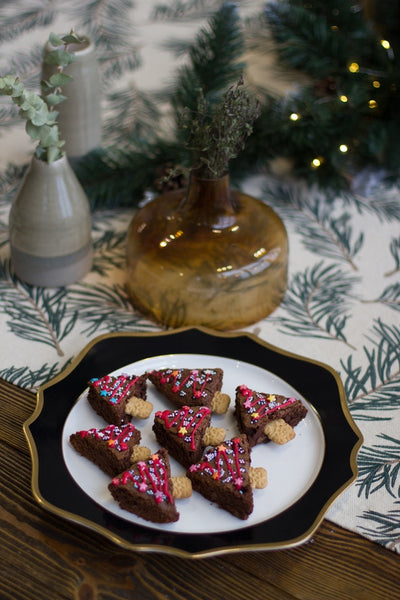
(343, 301)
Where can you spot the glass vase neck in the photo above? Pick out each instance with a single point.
(210, 201)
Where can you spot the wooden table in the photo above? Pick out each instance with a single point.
(45, 557)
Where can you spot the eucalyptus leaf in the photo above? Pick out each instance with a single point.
(18, 89)
(45, 85)
(58, 57)
(28, 113)
(72, 38)
(53, 153)
(55, 40)
(52, 117)
(32, 130)
(8, 82)
(54, 99)
(48, 136)
(59, 79)
(40, 117)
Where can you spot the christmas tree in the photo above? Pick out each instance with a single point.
(346, 116)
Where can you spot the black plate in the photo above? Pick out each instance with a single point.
(57, 492)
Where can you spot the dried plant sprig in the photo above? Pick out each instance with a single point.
(217, 134)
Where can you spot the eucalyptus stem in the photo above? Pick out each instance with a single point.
(39, 110)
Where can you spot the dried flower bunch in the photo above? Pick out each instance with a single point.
(39, 110)
(217, 134)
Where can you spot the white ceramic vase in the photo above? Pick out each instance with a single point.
(79, 117)
(50, 226)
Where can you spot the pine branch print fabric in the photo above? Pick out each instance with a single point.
(342, 307)
(342, 304)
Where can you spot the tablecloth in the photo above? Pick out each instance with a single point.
(343, 299)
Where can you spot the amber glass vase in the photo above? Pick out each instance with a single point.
(208, 256)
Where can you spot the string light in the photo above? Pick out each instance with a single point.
(354, 67)
(385, 44)
(372, 104)
(294, 117)
(343, 98)
(343, 148)
(317, 162)
(376, 84)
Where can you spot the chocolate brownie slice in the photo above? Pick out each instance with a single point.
(188, 387)
(181, 431)
(109, 448)
(222, 476)
(254, 410)
(145, 489)
(109, 395)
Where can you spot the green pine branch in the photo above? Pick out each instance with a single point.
(373, 390)
(28, 17)
(384, 528)
(32, 379)
(213, 61)
(382, 201)
(134, 116)
(34, 313)
(118, 176)
(395, 252)
(179, 10)
(114, 63)
(9, 182)
(106, 23)
(109, 252)
(379, 467)
(389, 297)
(318, 39)
(104, 308)
(316, 301)
(313, 214)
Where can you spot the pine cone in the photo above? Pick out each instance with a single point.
(170, 177)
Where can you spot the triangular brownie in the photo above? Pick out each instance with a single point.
(188, 387)
(109, 448)
(181, 431)
(109, 395)
(254, 410)
(222, 476)
(145, 489)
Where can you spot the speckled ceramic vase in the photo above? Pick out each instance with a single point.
(208, 256)
(79, 117)
(50, 226)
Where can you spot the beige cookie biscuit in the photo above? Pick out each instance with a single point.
(220, 403)
(258, 477)
(140, 453)
(214, 436)
(181, 487)
(279, 431)
(136, 407)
